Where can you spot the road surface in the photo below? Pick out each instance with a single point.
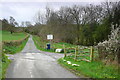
(33, 63)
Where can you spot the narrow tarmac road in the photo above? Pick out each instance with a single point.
(33, 63)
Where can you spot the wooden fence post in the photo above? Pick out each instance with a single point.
(44, 46)
(64, 51)
(78, 49)
(91, 53)
(75, 54)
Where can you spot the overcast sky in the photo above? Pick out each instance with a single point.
(25, 10)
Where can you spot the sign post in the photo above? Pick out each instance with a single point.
(50, 37)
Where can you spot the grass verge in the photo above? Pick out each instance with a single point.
(93, 69)
(11, 50)
(5, 63)
(14, 49)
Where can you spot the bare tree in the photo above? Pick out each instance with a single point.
(76, 12)
(22, 24)
(40, 18)
(12, 24)
(28, 24)
(48, 13)
(16, 24)
(11, 20)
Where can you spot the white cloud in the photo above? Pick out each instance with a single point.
(20, 11)
(25, 11)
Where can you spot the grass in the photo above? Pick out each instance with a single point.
(7, 36)
(14, 49)
(0, 65)
(60, 45)
(10, 50)
(95, 69)
(40, 44)
(5, 63)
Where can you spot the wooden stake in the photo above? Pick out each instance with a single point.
(91, 53)
(78, 49)
(75, 54)
(64, 51)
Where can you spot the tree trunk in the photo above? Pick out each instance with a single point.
(78, 29)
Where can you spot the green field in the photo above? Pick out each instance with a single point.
(7, 36)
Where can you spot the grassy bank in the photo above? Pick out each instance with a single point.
(11, 49)
(14, 49)
(95, 69)
(0, 60)
(5, 63)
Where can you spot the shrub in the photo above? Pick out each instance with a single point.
(110, 49)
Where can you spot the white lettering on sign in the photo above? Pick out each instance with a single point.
(50, 36)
